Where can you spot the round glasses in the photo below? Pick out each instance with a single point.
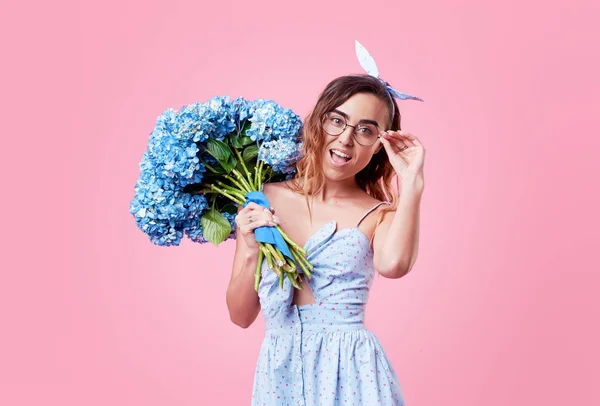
(364, 134)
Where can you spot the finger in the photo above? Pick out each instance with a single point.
(246, 227)
(392, 140)
(414, 140)
(269, 217)
(399, 141)
(259, 216)
(400, 135)
(250, 208)
(254, 206)
(260, 223)
(407, 138)
(389, 147)
(257, 208)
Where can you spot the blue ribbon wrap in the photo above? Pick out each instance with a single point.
(268, 234)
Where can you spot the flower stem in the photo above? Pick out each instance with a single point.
(231, 190)
(292, 278)
(291, 263)
(258, 268)
(241, 178)
(241, 159)
(258, 175)
(238, 184)
(270, 262)
(305, 261)
(227, 195)
(290, 241)
(276, 255)
(210, 168)
(301, 264)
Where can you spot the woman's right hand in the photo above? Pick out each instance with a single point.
(251, 217)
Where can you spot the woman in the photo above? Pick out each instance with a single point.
(341, 207)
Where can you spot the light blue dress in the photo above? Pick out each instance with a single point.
(321, 353)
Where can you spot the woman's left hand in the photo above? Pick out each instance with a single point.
(405, 152)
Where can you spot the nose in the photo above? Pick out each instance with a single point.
(347, 136)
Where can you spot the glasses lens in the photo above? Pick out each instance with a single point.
(366, 134)
(333, 124)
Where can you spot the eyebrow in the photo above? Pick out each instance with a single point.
(341, 113)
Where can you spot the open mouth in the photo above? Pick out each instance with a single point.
(339, 158)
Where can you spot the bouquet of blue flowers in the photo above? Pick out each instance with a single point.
(208, 157)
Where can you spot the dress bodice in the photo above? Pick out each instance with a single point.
(342, 276)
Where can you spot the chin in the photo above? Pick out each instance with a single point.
(333, 173)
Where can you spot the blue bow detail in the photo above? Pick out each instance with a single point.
(399, 95)
(267, 234)
(368, 64)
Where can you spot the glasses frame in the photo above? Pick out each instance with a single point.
(354, 127)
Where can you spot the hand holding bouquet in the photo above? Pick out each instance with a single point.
(206, 158)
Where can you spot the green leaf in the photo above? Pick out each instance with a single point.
(215, 227)
(236, 141)
(246, 140)
(230, 208)
(219, 150)
(229, 164)
(240, 168)
(250, 153)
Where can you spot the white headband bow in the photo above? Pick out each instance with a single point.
(368, 63)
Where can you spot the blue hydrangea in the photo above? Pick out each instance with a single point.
(287, 124)
(173, 153)
(216, 119)
(270, 121)
(194, 231)
(161, 211)
(280, 154)
(262, 116)
(188, 124)
(241, 109)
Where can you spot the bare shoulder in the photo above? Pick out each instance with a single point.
(367, 202)
(277, 192)
(285, 202)
(388, 213)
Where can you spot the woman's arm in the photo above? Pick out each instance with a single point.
(396, 241)
(242, 299)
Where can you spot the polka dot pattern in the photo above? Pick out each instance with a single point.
(322, 353)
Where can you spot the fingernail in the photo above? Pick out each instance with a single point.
(276, 219)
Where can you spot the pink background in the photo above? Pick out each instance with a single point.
(502, 306)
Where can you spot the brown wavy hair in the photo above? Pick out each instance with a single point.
(376, 178)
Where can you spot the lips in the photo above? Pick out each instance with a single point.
(339, 158)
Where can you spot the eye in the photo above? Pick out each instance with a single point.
(365, 131)
(336, 120)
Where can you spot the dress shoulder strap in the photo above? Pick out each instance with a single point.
(370, 210)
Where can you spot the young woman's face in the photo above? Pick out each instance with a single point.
(361, 110)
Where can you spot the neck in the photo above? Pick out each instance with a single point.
(334, 189)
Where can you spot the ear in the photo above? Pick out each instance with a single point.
(378, 147)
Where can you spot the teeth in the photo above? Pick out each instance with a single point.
(338, 153)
